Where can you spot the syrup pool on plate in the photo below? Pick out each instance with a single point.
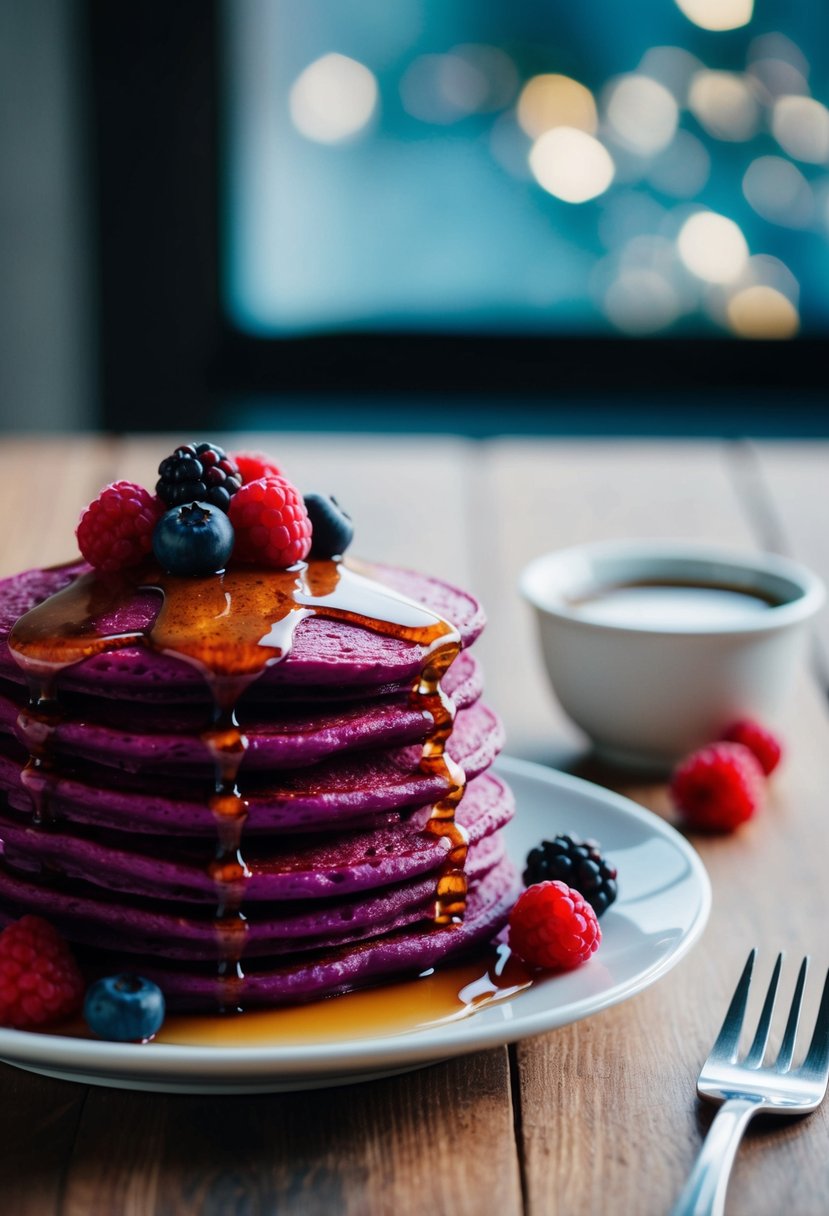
(444, 994)
(438, 996)
(666, 604)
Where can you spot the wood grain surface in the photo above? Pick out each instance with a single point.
(596, 1117)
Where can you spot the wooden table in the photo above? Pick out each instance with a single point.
(597, 1117)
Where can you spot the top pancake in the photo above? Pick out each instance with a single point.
(327, 657)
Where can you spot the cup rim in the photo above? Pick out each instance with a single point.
(811, 592)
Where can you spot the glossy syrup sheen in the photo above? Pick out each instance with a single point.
(438, 996)
(232, 626)
(444, 994)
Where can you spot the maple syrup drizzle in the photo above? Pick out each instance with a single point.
(231, 627)
(38, 723)
(227, 746)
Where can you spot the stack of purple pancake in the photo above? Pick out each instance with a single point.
(341, 871)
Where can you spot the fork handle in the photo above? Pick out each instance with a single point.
(704, 1192)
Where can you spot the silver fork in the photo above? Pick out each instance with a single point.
(745, 1088)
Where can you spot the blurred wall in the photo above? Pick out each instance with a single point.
(47, 369)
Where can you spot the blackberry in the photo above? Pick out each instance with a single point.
(198, 472)
(579, 864)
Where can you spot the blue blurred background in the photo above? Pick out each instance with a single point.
(590, 218)
(528, 168)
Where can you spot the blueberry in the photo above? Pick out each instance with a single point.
(125, 1008)
(332, 529)
(193, 539)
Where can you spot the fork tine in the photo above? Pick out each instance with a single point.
(728, 1039)
(758, 1048)
(817, 1058)
(784, 1059)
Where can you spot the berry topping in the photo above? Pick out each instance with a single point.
(579, 864)
(116, 530)
(759, 741)
(125, 1008)
(718, 787)
(39, 978)
(552, 925)
(193, 539)
(332, 529)
(253, 465)
(198, 472)
(272, 525)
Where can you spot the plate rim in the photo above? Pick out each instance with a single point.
(171, 1061)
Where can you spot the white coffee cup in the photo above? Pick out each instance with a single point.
(652, 681)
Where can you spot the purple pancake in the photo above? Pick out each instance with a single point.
(329, 972)
(463, 682)
(153, 867)
(325, 654)
(343, 877)
(339, 792)
(85, 915)
(305, 737)
(396, 955)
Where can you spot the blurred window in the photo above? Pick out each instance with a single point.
(477, 167)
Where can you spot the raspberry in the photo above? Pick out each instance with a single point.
(39, 978)
(271, 523)
(718, 787)
(253, 465)
(759, 741)
(198, 472)
(577, 863)
(116, 530)
(552, 925)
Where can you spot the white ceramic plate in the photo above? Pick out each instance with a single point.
(661, 911)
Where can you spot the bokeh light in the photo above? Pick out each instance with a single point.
(682, 169)
(443, 89)
(687, 156)
(778, 67)
(641, 287)
(712, 247)
(672, 66)
(778, 191)
(641, 301)
(762, 312)
(571, 164)
(510, 146)
(724, 104)
(470, 79)
(778, 48)
(641, 113)
(333, 99)
(765, 269)
(551, 100)
(775, 78)
(496, 69)
(626, 214)
(717, 14)
(801, 127)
